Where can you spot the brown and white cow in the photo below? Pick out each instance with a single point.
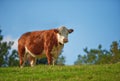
(47, 43)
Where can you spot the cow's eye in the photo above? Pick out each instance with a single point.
(59, 33)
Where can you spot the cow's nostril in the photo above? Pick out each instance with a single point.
(65, 40)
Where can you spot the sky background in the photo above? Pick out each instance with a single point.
(94, 21)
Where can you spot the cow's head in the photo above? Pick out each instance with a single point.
(62, 34)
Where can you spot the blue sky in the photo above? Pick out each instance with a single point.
(94, 21)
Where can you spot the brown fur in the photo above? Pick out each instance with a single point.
(37, 42)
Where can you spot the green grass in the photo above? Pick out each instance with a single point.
(62, 73)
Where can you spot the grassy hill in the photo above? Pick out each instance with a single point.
(62, 73)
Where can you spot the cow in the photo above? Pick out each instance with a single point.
(43, 43)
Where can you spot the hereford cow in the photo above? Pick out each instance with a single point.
(47, 43)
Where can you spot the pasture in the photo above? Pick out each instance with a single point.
(109, 72)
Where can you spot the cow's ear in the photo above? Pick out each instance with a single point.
(70, 30)
(56, 30)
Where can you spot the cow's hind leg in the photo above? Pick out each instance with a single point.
(23, 60)
(22, 55)
(32, 60)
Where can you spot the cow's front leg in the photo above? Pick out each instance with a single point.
(53, 61)
(23, 60)
(49, 58)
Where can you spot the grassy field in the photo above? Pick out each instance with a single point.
(62, 73)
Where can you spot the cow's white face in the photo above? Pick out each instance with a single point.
(63, 34)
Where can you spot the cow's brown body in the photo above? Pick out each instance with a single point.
(38, 43)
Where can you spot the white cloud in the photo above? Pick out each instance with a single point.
(9, 38)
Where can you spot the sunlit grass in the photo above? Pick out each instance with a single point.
(62, 73)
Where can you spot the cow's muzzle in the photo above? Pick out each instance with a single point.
(65, 40)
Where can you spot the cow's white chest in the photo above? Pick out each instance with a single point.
(56, 51)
